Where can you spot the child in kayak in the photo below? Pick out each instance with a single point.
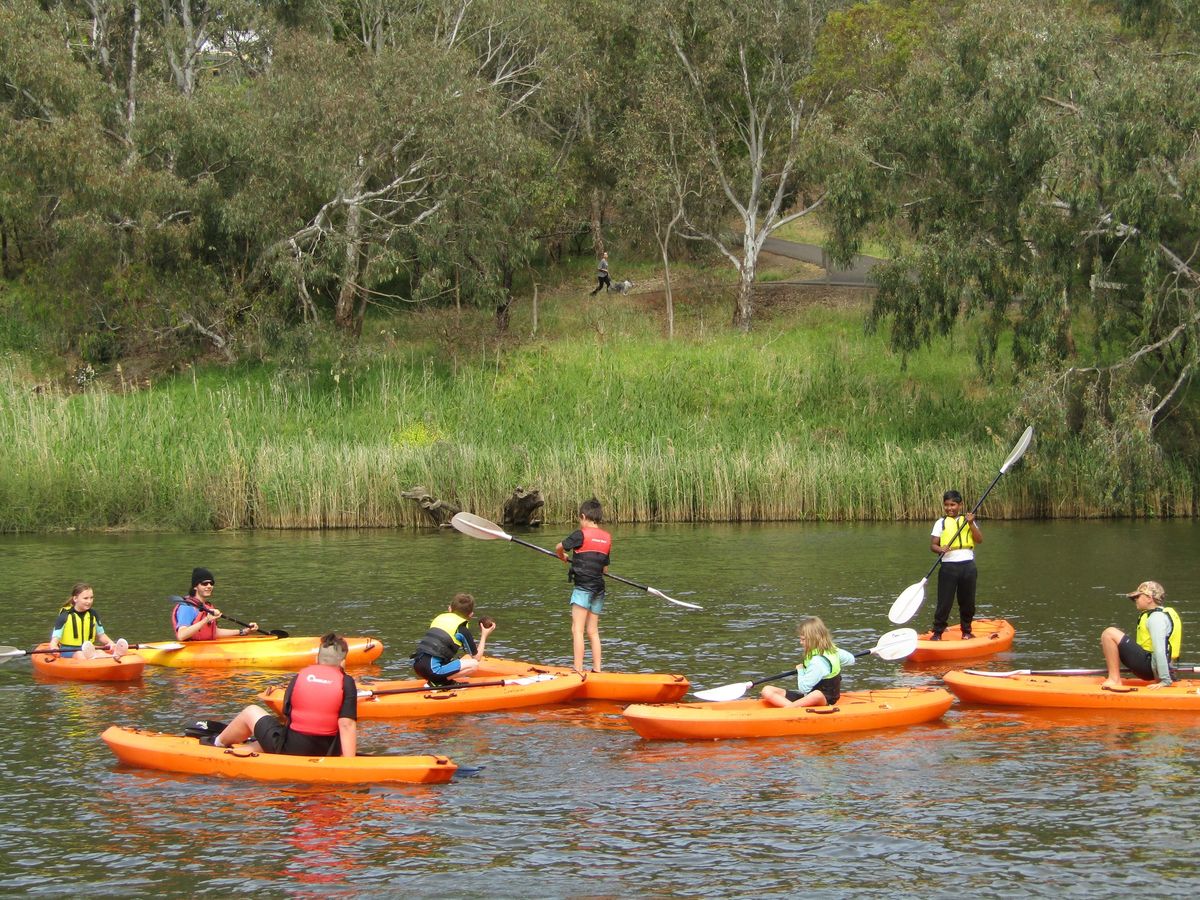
(954, 537)
(1156, 643)
(77, 624)
(819, 676)
(320, 707)
(438, 658)
(590, 546)
(194, 618)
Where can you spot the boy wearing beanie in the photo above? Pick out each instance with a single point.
(195, 618)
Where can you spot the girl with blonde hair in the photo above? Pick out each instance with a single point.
(819, 675)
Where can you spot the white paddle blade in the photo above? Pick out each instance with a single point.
(1019, 450)
(725, 692)
(479, 527)
(908, 603)
(896, 644)
(7, 653)
(655, 592)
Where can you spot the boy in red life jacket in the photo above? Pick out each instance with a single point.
(194, 618)
(320, 706)
(590, 546)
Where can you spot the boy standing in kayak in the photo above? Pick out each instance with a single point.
(590, 546)
(438, 659)
(954, 537)
(77, 623)
(194, 618)
(819, 675)
(1157, 643)
(320, 707)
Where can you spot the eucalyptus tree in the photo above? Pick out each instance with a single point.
(1046, 170)
(744, 67)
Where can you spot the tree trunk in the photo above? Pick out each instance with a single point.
(597, 223)
(743, 309)
(131, 83)
(344, 311)
(503, 309)
(662, 244)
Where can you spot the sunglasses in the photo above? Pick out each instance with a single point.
(204, 583)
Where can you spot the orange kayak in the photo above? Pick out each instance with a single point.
(171, 753)
(1072, 691)
(621, 687)
(854, 711)
(254, 651)
(989, 636)
(102, 667)
(414, 698)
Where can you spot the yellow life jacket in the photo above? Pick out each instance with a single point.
(441, 641)
(835, 661)
(964, 540)
(1174, 636)
(79, 627)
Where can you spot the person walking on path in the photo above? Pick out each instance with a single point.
(602, 279)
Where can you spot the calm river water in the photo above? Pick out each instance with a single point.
(569, 802)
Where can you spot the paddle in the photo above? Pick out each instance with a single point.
(893, 645)
(1174, 669)
(366, 694)
(913, 596)
(479, 527)
(190, 602)
(7, 653)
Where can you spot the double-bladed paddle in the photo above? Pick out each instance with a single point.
(1011, 672)
(175, 598)
(367, 693)
(893, 645)
(479, 527)
(913, 596)
(7, 653)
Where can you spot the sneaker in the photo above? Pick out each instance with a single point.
(120, 648)
(88, 650)
(936, 636)
(209, 740)
(967, 636)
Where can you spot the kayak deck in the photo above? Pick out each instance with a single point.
(171, 753)
(414, 698)
(621, 687)
(1070, 691)
(254, 651)
(854, 711)
(989, 636)
(102, 667)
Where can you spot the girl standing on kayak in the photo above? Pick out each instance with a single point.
(77, 623)
(590, 546)
(954, 537)
(819, 676)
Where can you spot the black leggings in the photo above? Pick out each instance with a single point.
(602, 281)
(955, 578)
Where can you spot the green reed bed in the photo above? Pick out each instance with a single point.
(805, 423)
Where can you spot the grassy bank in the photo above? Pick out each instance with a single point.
(804, 419)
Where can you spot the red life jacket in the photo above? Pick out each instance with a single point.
(316, 700)
(588, 562)
(207, 632)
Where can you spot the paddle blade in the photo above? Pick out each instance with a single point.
(7, 653)
(908, 603)
(479, 527)
(896, 644)
(1019, 450)
(655, 592)
(725, 692)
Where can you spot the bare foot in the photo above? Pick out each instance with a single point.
(1110, 683)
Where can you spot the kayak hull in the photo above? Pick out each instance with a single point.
(990, 636)
(619, 687)
(1070, 692)
(100, 668)
(254, 652)
(854, 711)
(186, 755)
(414, 698)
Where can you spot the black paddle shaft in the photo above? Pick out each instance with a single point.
(792, 671)
(190, 602)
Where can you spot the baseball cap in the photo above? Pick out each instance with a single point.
(1151, 589)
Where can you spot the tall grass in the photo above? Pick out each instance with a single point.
(811, 421)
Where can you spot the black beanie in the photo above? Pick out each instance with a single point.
(200, 574)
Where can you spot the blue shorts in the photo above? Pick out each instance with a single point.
(592, 602)
(434, 670)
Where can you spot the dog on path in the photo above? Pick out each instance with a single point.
(622, 287)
